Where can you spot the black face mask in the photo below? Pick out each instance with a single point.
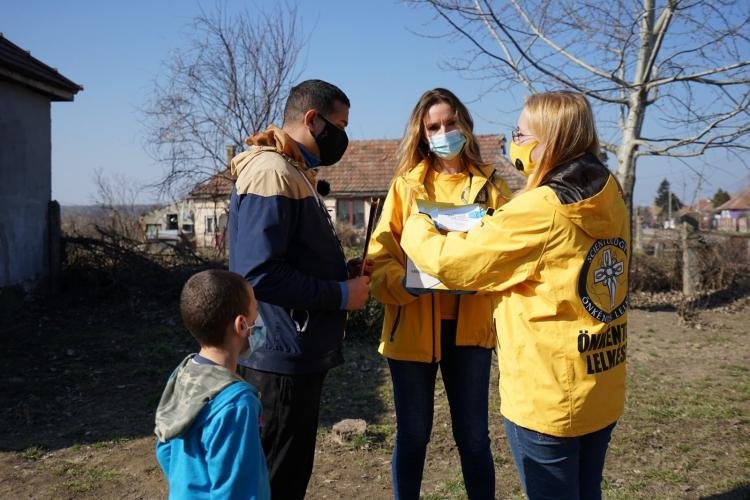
(332, 142)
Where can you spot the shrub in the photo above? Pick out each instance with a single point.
(367, 322)
(350, 236)
(724, 263)
(650, 273)
(721, 262)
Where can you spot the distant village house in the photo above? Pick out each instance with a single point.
(734, 214)
(701, 214)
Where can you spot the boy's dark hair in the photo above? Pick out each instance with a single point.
(210, 301)
(312, 94)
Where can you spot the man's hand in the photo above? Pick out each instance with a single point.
(354, 267)
(358, 292)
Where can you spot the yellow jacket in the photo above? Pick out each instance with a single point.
(411, 325)
(557, 258)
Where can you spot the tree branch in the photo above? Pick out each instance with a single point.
(557, 48)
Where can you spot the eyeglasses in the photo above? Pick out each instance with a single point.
(517, 135)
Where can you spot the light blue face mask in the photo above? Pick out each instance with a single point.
(256, 340)
(447, 146)
(257, 337)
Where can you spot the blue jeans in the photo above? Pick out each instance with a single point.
(558, 467)
(466, 374)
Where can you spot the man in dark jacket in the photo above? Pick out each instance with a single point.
(282, 240)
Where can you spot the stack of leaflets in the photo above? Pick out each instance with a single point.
(447, 217)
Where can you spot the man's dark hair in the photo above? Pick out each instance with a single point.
(210, 301)
(312, 94)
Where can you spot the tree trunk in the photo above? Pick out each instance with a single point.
(690, 274)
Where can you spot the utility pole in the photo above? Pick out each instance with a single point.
(669, 206)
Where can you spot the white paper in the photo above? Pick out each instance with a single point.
(447, 217)
(450, 217)
(417, 279)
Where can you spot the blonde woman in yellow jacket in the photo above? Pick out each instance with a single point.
(438, 160)
(557, 257)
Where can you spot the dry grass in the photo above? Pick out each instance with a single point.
(83, 374)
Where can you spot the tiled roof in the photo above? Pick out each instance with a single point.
(220, 185)
(367, 167)
(700, 206)
(740, 201)
(18, 66)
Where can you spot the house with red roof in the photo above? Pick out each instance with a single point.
(200, 219)
(362, 175)
(734, 214)
(700, 214)
(366, 169)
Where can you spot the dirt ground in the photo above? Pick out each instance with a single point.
(83, 375)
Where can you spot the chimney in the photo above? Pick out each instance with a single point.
(230, 153)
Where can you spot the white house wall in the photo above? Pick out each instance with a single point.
(331, 206)
(25, 184)
(203, 209)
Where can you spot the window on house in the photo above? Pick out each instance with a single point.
(343, 210)
(210, 224)
(152, 231)
(351, 211)
(187, 228)
(172, 221)
(359, 213)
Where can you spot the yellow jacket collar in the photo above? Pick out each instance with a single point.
(479, 176)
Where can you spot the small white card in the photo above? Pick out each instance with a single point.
(417, 279)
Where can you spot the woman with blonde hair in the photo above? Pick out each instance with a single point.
(438, 160)
(556, 257)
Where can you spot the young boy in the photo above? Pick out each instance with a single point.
(207, 422)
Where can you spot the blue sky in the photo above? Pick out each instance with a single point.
(116, 49)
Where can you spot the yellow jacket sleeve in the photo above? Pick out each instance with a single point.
(500, 253)
(386, 282)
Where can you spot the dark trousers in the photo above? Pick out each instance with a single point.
(289, 426)
(561, 468)
(466, 375)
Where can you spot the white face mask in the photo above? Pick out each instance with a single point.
(447, 146)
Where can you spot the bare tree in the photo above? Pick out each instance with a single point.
(227, 83)
(668, 77)
(118, 214)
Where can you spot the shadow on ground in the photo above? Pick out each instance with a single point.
(82, 369)
(351, 390)
(741, 492)
(89, 365)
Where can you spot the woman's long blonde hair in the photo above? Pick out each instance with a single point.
(563, 123)
(414, 148)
